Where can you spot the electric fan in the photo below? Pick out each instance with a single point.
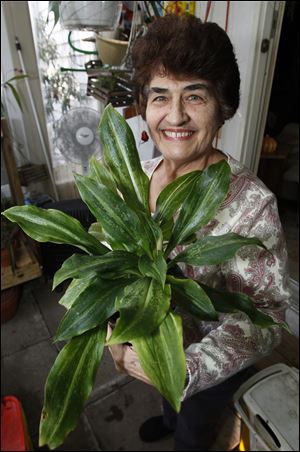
(76, 136)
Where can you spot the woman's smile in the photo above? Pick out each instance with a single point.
(177, 134)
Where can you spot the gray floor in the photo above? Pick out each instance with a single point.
(117, 405)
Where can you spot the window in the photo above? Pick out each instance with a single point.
(64, 85)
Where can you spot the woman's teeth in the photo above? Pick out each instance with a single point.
(170, 134)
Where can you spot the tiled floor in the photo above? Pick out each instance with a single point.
(118, 404)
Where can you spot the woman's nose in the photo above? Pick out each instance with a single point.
(177, 114)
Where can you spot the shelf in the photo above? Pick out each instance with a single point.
(109, 84)
(27, 268)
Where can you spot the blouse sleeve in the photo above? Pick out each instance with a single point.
(236, 342)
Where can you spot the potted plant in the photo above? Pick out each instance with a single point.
(134, 276)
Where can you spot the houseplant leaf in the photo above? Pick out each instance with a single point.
(155, 268)
(213, 250)
(236, 301)
(121, 156)
(75, 288)
(162, 358)
(187, 294)
(143, 306)
(153, 234)
(116, 264)
(92, 307)
(202, 203)
(96, 231)
(173, 195)
(100, 173)
(69, 384)
(50, 225)
(120, 223)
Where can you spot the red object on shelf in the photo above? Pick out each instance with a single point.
(14, 434)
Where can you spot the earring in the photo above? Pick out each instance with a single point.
(144, 136)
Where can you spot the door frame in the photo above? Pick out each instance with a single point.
(271, 18)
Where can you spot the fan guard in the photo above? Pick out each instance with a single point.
(76, 135)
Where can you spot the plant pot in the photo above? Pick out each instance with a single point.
(9, 302)
(5, 257)
(111, 51)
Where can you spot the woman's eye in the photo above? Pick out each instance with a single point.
(195, 98)
(159, 99)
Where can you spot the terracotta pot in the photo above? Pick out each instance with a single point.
(5, 257)
(9, 302)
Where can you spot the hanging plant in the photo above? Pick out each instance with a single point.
(134, 277)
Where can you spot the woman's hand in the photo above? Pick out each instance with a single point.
(126, 360)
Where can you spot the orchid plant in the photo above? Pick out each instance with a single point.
(127, 269)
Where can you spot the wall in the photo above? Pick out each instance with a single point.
(249, 23)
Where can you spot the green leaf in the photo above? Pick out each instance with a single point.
(119, 222)
(76, 287)
(121, 156)
(142, 308)
(202, 203)
(114, 264)
(92, 307)
(68, 386)
(186, 294)
(152, 234)
(17, 77)
(15, 94)
(96, 231)
(173, 195)
(162, 358)
(237, 301)
(212, 250)
(100, 173)
(166, 229)
(50, 225)
(156, 268)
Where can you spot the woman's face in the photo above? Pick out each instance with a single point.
(182, 116)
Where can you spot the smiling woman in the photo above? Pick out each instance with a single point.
(187, 85)
(183, 120)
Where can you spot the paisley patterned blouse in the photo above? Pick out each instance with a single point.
(216, 351)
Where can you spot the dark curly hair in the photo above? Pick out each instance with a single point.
(184, 47)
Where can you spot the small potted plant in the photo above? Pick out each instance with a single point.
(133, 277)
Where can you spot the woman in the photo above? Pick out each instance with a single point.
(187, 85)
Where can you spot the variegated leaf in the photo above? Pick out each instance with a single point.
(162, 358)
(50, 225)
(187, 294)
(92, 307)
(143, 306)
(122, 158)
(69, 385)
(113, 265)
(202, 203)
(213, 250)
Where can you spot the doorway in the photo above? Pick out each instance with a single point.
(279, 167)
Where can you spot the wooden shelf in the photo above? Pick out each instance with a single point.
(27, 268)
